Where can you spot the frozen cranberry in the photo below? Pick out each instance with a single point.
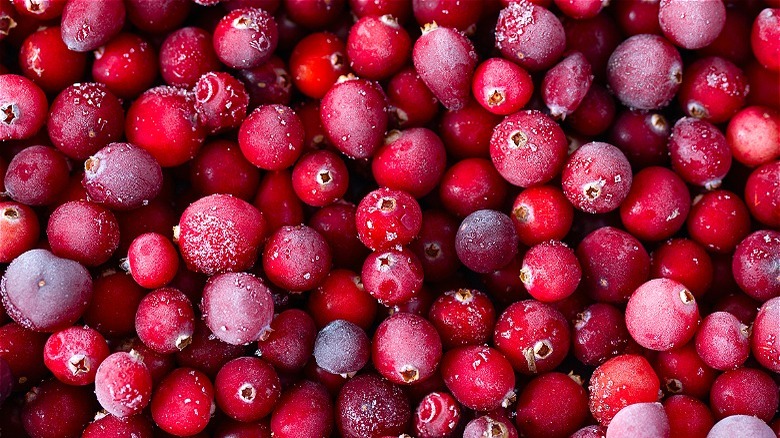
(486, 241)
(22, 352)
(435, 245)
(621, 381)
(437, 415)
(684, 261)
(597, 177)
(342, 347)
(83, 231)
(699, 152)
(640, 420)
(722, 341)
(734, 425)
(354, 115)
(412, 160)
(550, 271)
(565, 85)
(183, 402)
(111, 310)
(467, 132)
(445, 60)
(691, 25)
(753, 135)
(296, 258)
(479, 377)
(642, 136)
(530, 35)
(386, 218)
(592, 431)
(320, 178)
(637, 16)
(22, 107)
(164, 122)
(406, 348)
(220, 167)
(271, 137)
(463, 317)
(43, 292)
(377, 47)
(107, 425)
(46, 60)
(534, 336)
(55, 409)
(39, 9)
(470, 185)
(688, 416)
(744, 391)
(316, 63)
(277, 200)
(501, 87)
(165, 320)
(341, 296)
(122, 176)
(541, 213)
(206, 352)
(657, 204)
(157, 16)
(595, 114)
(220, 233)
(247, 389)
(370, 406)
(682, 371)
(73, 354)
(127, 64)
(645, 72)
(305, 408)
(245, 38)
(599, 334)
(392, 276)
(765, 333)
(267, 84)
(123, 384)
(713, 89)
(410, 102)
(662, 314)
(718, 220)
(158, 364)
(528, 148)
(756, 265)
(762, 194)
(21, 222)
(763, 38)
(291, 341)
(552, 404)
(237, 307)
(185, 55)
(87, 24)
(490, 425)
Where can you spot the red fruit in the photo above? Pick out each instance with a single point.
(290, 342)
(122, 176)
(501, 87)
(713, 89)
(744, 391)
(221, 101)
(74, 354)
(271, 137)
(316, 63)
(662, 314)
(128, 64)
(377, 47)
(686, 262)
(183, 402)
(123, 384)
(550, 271)
(83, 231)
(245, 38)
(753, 135)
(46, 60)
(296, 258)
(354, 115)
(22, 106)
(406, 349)
(756, 265)
(445, 60)
(597, 178)
(691, 25)
(237, 307)
(304, 409)
(386, 218)
(699, 152)
(20, 221)
(764, 37)
(392, 276)
(247, 389)
(463, 317)
(412, 160)
(486, 241)
(89, 24)
(165, 320)
(765, 333)
(479, 377)
(640, 420)
(566, 84)
(553, 404)
(619, 382)
(437, 415)
(530, 35)
(657, 204)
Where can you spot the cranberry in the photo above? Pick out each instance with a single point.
(463, 317)
(83, 231)
(40, 9)
(157, 17)
(688, 416)
(662, 314)
(762, 192)
(237, 307)
(183, 402)
(756, 265)
(392, 277)
(642, 136)
(753, 134)
(699, 152)
(595, 114)
(87, 24)
(22, 107)
(55, 409)
(763, 38)
(566, 84)
(165, 320)
(479, 377)
(377, 47)
(158, 364)
(114, 300)
(206, 352)
(316, 63)
(277, 200)
(46, 60)
(486, 425)
(691, 25)
(270, 83)
(682, 371)
(341, 347)
(271, 137)
(597, 178)
(128, 64)
(435, 245)
(245, 38)
(740, 424)
(621, 381)
(744, 391)
(641, 420)
(718, 220)
(501, 86)
(530, 35)
(123, 384)
(437, 415)
(410, 102)
(722, 341)
(765, 332)
(305, 408)
(185, 55)
(320, 178)
(341, 296)
(20, 221)
(291, 341)
(713, 89)
(486, 241)
(296, 258)
(73, 354)
(368, 405)
(122, 176)
(412, 160)
(686, 262)
(247, 389)
(220, 167)
(552, 404)
(387, 217)
(600, 334)
(406, 348)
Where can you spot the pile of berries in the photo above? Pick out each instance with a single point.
(390, 218)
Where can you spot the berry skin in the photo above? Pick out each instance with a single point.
(368, 405)
(530, 35)
(662, 314)
(619, 382)
(245, 38)
(73, 354)
(123, 384)
(406, 348)
(486, 241)
(479, 377)
(237, 307)
(183, 402)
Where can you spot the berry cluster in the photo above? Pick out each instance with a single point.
(390, 218)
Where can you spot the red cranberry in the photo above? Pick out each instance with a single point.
(682, 371)
(688, 416)
(270, 83)
(691, 25)
(220, 167)
(713, 89)
(368, 405)
(43, 292)
(387, 217)
(277, 200)
(435, 245)
(55, 409)
(437, 415)
(392, 276)
(296, 258)
(112, 308)
(642, 136)
(157, 17)
(377, 47)
(220, 233)
(553, 404)
(291, 341)
(20, 221)
(595, 114)
(756, 265)
(479, 377)
(764, 36)
(463, 317)
(619, 382)
(566, 84)
(410, 102)
(123, 384)
(165, 320)
(597, 177)
(83, 231)
(718, 220)
(744, 391)
(40, 9)
(342, 347)
(22, 107)
(87, 24)
(684, 261)
(316, 63)
(46, 60)
(530, 35)
(657, 204)
(406, 348)
(271, 137)
(304, 409)
(541, 213)
(501, 86)
(600, 334)
(699, 152)
(765, 333)
(341, 296)
(245, 38)
(320, 178)
(73, 354)
(722, 341)
(662, 314)
(106, 425)
(525, 137)
(470, 185)
(247, 389)
(486, 241)
(412, 160)
(753, 135)
(122, 176)
(128, 64)
(237, 307)
(183, 402)
(550, 271)
(762, 194)
(185, 55)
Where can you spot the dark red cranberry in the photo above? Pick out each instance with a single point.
(467, 132)
(637, 16)
(392, 276)
(277, 200)
(122, 176)
(164, 122)
(220, 167)
(534, 336)
(412, 160)
(245, 38)
(336, 223)
(645, 72)
(21, 222)
(206, 352)
(46, 60)
(183, 402)
(221, 101)
(597, 177)
(642, 136)
(682, 371)
(271, 137)
(470, 185)
(127, 64)
(566, 84)
(401, 10)
(22, 352)
(55, 409)
(220, 233)
(22, 107)
(479, 377)
(765, 333)
(377, 47)
(656, 205)
(685, 261)
(237, 307)
(619, 382)
(368, 405)
(463, 317)
(270, 83)
(316, 63)
(713, 89)
(688, 416)
(756, 265)
(437, 415)
(553, 404)
(501, 86)
(435, 245)
(165, 320)
(595, 114)
(304, 409)
(594, 37)
(314, 14)
(88, 24)
(354, 115)
(764, 36)
(445, 60)
(107, 425)
(43, 292)
(296, 258)
(410, 102)
(600, 334)
(74, 354)
(342, 347)
(486, 241)
(123, 384)
(699, 152)
(83, 231)
(406, 348)
(185, 55)
(157, 16)
(530, 35)
(718, 220)
(247, 389)
(744, 391)
(112, 308)
(290, 343)
(528, 148)
(341, 296)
